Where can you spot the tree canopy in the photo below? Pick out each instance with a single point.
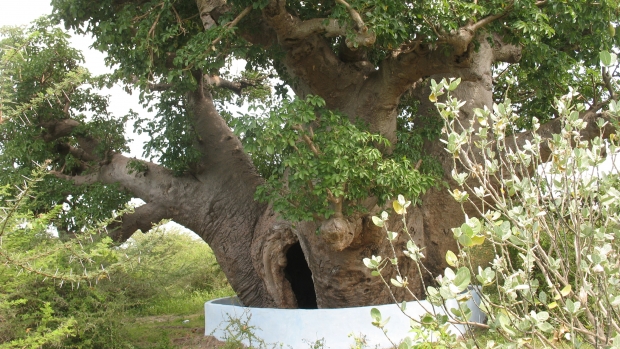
(155, 45)
(338, 118)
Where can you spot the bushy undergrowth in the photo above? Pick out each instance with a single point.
(85, 292)
(172, 273)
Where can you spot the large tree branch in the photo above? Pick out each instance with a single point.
(150, 185)
(77, 153)
(331, 28)
(209, 81)
(418, 60)
(55, 129)
(235, 86)
(217, 142)
(143, 218)
(310, 59)
(291, 28)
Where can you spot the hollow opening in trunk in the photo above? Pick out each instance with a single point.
(299, 275)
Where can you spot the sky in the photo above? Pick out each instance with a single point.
(23, 12)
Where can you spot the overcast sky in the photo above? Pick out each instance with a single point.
(23, 12)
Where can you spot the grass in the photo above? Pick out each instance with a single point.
(179, 275)
(163, 331)
(183, 303)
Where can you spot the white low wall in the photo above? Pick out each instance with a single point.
(300, 328)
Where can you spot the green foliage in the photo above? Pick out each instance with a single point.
(83, 292)
(412, 132)
(35, 265)
(137, 167)
(39, 74)
(160, 41)
(171, 135)
(561, 221)
(312, 156)
(171, 273)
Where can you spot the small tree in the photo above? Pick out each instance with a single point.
(40, 266)
(549, 211)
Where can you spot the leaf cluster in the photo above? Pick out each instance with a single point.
(41, 82)
(311, 156)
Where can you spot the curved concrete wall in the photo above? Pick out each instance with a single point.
(300, 328)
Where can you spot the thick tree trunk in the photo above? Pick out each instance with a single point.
(275, 263)
(271, 262)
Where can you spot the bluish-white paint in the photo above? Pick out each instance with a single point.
(300, 328)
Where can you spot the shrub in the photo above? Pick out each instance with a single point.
(560, 218)
(82, 292)
(48, 296)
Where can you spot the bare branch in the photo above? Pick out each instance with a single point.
(77, 153)
(234, 22)
(56, 129)
(503, 52)
(159, 87)
(235, 86)
(355, 16)
(488, 19)
(143, 218)
(77, 180)
(289, 27)
(208, 11)
(307, 140)
(462, 37)
(331, 28)
(607, 80)
(214, 81)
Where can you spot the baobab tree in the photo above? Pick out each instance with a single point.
(339, 121)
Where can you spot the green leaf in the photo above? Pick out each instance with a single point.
(398, 208)
(375, 314)
(607, 58)
(545, 327)
(454, 84)
(451, 258)
(377, 221)
(391, 236)
(467, 230)
(542, 316)
(566, 290)
(465, 241)
(396, 282)
(462, 279)
(477, 240)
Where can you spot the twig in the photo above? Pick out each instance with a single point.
(179, 20)
(607, 80)
(234, 22)
(355, 16)
(308, 141)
